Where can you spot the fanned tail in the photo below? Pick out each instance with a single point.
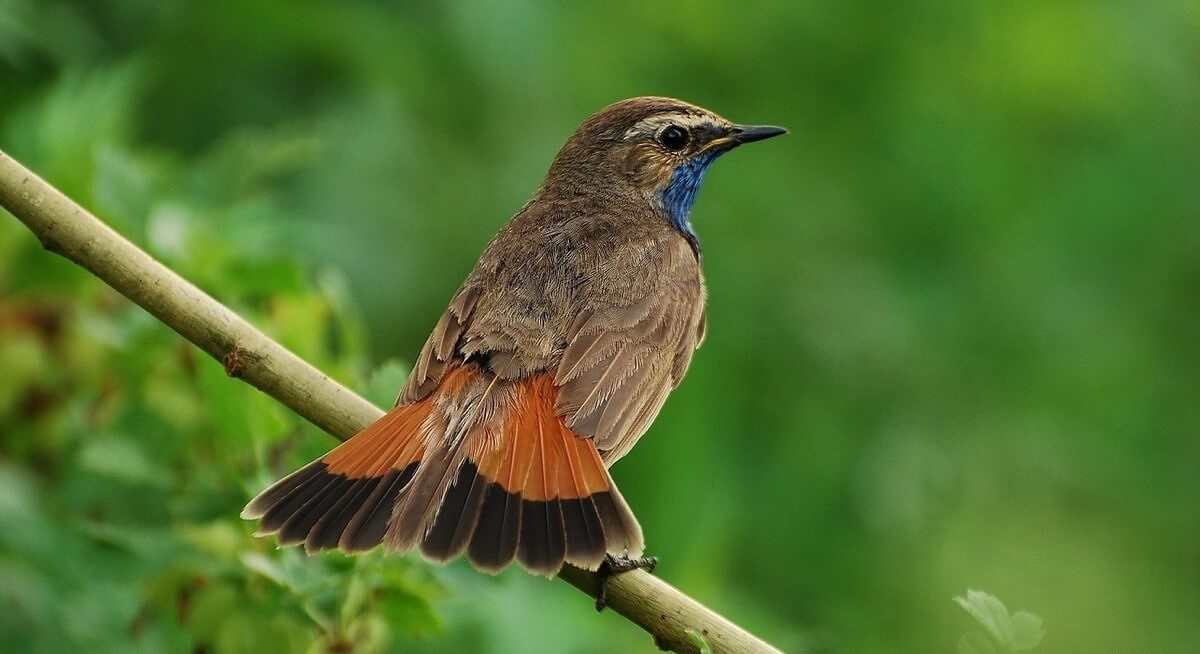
(345, 498)
(506, 480)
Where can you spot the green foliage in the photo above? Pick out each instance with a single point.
(952, 315)
(1017, 632)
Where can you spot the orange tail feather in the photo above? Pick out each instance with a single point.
(513, 482)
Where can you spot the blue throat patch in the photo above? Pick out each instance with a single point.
(680, 193)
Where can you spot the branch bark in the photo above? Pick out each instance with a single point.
(67, 229)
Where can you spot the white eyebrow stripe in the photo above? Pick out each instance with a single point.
(651, 125)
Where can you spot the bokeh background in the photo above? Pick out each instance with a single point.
(954, 329)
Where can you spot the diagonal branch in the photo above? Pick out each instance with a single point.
(67, 229)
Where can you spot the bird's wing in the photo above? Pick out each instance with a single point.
(622, 361)
(620, 358)
(441, 349)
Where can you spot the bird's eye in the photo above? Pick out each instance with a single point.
(673, 137)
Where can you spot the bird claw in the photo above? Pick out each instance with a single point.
(612, 566)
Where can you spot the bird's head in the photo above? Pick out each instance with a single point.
(657, 147)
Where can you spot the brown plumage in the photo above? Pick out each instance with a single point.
(551, 361)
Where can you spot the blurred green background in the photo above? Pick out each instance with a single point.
(954, 332)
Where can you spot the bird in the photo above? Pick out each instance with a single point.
(549, 364)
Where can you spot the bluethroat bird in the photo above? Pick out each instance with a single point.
(552, 360)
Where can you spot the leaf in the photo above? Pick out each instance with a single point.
(265, 276)
(219, 538)
(299, 321)
(271, 569)
(167, 230)
(1026, 630)
(699, 641)
(242, 632)
(409, 613)
(209, 607)
(124, 187)
(122, 460)
(59, 133)
(988, 612)
(1020, 632)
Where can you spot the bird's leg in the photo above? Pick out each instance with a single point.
(612, 566)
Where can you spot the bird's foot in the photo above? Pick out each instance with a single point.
(612, 566)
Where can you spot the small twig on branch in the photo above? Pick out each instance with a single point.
(246, 353)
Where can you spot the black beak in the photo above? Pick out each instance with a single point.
(751, 133)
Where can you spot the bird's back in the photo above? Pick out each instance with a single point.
(556, 263)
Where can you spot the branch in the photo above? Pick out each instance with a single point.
(67, 229)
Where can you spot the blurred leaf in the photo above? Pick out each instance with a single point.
(146, 543)
(1026, 630)
(269, 568)
(31, 29)
(410, 614)
(167, 229)
(61, 134)
(219, 537)
(124, 188)
(240, 633)
(1019, 632)
(122, 460)
(210, 606)
(248, 160)
(264, 277)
